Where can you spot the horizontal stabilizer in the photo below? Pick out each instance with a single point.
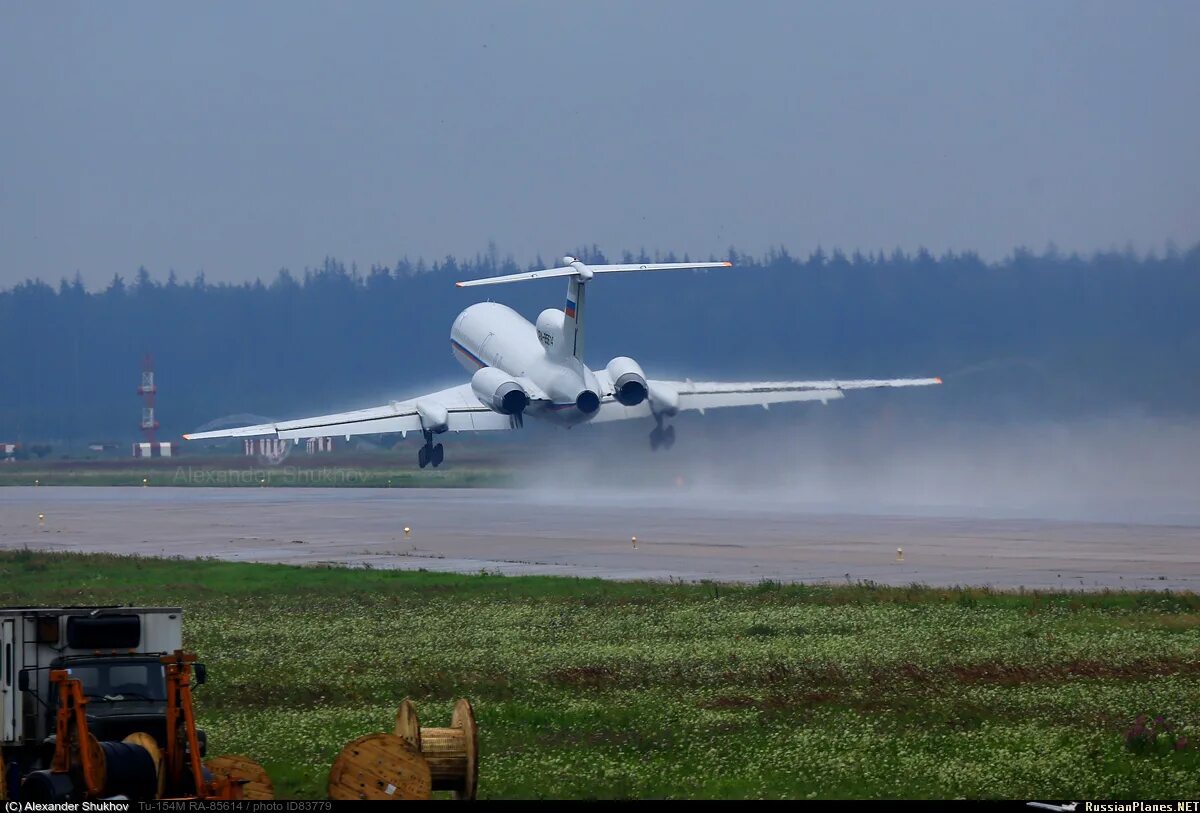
(586, 271)
(545, 273)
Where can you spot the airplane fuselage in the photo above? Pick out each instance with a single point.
(489, 334)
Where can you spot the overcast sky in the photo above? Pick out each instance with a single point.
(239, 138)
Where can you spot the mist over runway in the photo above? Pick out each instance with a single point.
(682, 535)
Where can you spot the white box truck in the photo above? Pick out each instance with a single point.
(115, 653)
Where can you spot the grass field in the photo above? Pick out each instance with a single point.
(330, 471)
(602, 689)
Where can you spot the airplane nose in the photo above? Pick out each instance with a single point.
(587, 402)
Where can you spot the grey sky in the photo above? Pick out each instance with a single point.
(241, 137)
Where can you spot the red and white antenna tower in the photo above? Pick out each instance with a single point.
(147, 391)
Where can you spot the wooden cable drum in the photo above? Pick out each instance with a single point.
(408, 727)
(147, 741)
(255, 782)
(452, 753)
(380, 766)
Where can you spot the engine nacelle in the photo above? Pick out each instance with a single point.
(629, 382)
(498, 391)
(550, 329)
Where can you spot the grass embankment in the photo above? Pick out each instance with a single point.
(331, 471)
(602, 689)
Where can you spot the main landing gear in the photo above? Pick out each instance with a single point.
(662, 436)
(430, 453)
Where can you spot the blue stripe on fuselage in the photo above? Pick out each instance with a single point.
(467, 353)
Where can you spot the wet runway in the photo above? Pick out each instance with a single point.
(680, 535)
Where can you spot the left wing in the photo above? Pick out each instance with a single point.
(669, 397)
(462, 413)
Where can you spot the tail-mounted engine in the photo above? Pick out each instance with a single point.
(550, 331)
(499, 391)
(629, 382)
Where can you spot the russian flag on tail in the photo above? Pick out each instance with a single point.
(570, 309)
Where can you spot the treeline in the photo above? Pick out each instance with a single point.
(1044, 334)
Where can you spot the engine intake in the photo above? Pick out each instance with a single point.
(499, 391)
(629, 382)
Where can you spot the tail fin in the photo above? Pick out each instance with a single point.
(579, 273)
(573, 316)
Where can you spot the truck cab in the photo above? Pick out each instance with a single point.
(124, 693)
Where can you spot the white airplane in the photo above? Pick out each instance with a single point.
(520, 369)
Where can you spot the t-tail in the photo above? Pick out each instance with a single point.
(578, 275)
(573, 314)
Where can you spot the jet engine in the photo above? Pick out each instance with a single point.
(629, 382)
(498, 391)
(550, 330)
(587, 402)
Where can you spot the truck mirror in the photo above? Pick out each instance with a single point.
(23, 680)
(201, 674)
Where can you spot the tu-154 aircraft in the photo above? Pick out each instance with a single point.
(537, 370)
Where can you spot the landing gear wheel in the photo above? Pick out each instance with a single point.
(423, 456)
(668, 439)
(439, 454)
(656, 438)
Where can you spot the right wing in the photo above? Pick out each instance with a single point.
(675, 396)
(464, 413)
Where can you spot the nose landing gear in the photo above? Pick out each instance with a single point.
(431, 453)
(662, 436)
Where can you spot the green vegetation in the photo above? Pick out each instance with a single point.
(600, 689)
(370, 471)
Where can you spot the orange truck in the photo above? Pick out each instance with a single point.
(95, 703)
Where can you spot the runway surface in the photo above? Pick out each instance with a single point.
(681, 535)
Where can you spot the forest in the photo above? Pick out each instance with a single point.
(1047, 334)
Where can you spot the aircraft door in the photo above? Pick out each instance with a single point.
(8, 682)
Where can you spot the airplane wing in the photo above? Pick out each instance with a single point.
(464, 413)
(672, 396)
